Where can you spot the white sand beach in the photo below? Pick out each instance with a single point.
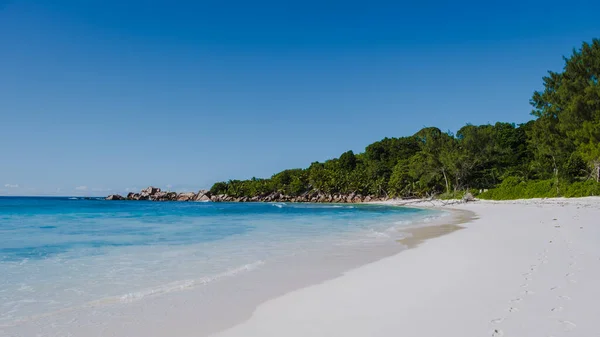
(521, 268)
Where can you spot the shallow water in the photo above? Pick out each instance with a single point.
(61, 255)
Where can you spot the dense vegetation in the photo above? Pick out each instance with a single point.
(556, 154)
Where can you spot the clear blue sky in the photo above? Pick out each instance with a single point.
(99, 95)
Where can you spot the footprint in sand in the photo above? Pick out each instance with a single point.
(516, 300)
(573, 265)
(563, 297)
(497, 333)
(554, 288)
(513, 309)
(497, 320)
(524, 285)
(557, 309)
(568, 325)
(528, 292)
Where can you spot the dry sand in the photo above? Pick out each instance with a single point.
(521, 268)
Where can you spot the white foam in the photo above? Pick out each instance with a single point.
(167, 288)
(25, 288)
(424, 220)
(184, 284)
(375, 234)
(334, 206)
(126, 298)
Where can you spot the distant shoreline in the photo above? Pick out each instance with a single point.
(152, 193)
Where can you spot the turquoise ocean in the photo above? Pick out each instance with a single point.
(60, 255)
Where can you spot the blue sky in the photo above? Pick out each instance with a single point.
(99, 97)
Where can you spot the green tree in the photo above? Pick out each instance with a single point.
(348, 161)
(568, 111)
(561, 147)
(401, 183)
(434, 144)
(219, 188)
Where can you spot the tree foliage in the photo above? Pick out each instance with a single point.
(561, 146)
(568, 112)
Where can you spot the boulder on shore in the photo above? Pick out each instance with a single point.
(468, 197)
(149, 191)
(134, 196)
(114, 197)
(187, 196)
(159, 196)
(203, 195)
(156, 194)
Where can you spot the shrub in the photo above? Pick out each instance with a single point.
(458, 194)
(582, 189)
(511, 188)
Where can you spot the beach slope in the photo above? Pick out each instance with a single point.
(522, 268)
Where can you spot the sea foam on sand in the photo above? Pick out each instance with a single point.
(522, 268)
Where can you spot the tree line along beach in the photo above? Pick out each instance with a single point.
(557, 154)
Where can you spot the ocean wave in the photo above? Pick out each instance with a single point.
(422, 220)
(10, 321)
(166, 288)
(305, 206)
(376, 234)
(184, 284)
(25, 288)
(279, 204)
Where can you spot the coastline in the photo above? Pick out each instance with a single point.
(523, 267)
(203, 310)
(418, 233)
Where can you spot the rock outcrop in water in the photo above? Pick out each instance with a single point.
(115, 197)
(152, 193)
